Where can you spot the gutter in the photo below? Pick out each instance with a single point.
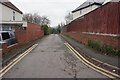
(14, 23)
(86, 7)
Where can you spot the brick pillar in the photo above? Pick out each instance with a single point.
(4, 47)
(118, 16)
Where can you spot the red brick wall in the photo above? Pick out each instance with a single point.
(6, 48)
(108, 40)
(32, 32)
(105, 19)
(119, 25)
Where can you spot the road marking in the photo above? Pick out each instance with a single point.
(88, 64)
(103, 62)
(106, 63)
(15, 61)
(91, 65)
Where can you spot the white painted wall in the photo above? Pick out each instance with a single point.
(7, 14)
(76, 15)
(84, 11)
(0, 12)
(106, 1)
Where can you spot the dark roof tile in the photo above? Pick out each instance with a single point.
(87, 4)
(10, 5)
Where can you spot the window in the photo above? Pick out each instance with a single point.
(12, 34)
(10, 28)
(13, 16)
(5, 35)
(6, 28)
(80, 11)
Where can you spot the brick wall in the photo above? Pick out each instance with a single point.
(6, 48)
(32, 32)
(105, 19)
(108, 40)
(119, 25)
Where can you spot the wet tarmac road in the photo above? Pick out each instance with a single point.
(51, 59)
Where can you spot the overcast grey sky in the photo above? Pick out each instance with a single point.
(55, 10)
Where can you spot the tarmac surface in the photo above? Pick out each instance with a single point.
(51, 59)
(112, 60)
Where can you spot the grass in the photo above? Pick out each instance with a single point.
(94, 44)
(103, 48)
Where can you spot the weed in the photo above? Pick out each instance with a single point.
(107, 49)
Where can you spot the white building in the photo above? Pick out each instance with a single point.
(10, 15)
(9, 12)
(86, 7)
(106, 1)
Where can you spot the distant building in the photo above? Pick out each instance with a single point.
(86, 7)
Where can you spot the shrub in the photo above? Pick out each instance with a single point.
(94, 44)
(107, 49)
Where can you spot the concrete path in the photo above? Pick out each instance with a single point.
(50, 60)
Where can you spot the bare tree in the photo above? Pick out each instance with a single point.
(60, 27)
(28, 17)
(44, 20)
(68, 17)
(35, 18)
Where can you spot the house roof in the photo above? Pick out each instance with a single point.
(10, 5)
(87, 4)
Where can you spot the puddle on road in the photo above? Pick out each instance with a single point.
(71, 66)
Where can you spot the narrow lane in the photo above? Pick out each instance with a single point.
(51, 59)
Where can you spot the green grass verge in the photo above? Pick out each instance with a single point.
(106, 49)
